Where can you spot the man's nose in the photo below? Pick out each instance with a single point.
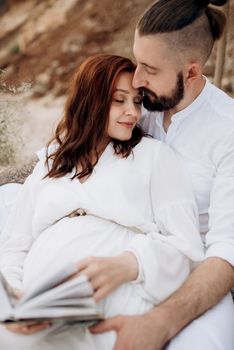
(138, 80)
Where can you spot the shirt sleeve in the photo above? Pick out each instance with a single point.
(17, 235)
(42, 153)
(220, 236)
(167, 256)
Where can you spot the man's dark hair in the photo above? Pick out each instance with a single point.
(195, 24)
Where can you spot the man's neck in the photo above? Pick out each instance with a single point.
(190, 95)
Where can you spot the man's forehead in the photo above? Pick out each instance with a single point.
(149, 49)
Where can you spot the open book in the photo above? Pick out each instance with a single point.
(54, 298)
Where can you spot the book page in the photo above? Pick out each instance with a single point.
(6, 307)
(49, 281)
(76, 293)
(65, 313)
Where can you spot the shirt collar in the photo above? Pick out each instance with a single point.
(195, 104)
(189, 109)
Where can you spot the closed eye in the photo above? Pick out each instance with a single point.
(150, 72)
(117, 100)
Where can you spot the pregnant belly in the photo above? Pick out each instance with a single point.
(71, 240)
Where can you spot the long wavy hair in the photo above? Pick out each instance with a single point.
(83, 126)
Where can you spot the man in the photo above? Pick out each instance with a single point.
(173, 40)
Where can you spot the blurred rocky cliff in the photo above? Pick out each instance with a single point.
(41, 43)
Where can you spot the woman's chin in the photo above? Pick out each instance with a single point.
(123, 138)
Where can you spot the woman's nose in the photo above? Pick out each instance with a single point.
(133, 110)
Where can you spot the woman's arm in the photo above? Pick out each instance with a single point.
(167, 255)
(160, 261)
(17, 234)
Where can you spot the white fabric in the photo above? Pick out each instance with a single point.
(212, 331)
(203, 136)
(8, 194)
(128, 195)
(134, 195)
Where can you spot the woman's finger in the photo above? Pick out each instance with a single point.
(101, 293)
(83, 264)
(98, 282)
(14, 328)
(36, 328)
(29, 328)
(91, 271)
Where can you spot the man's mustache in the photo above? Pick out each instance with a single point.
(147, 93)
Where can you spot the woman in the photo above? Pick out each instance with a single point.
(141, 218)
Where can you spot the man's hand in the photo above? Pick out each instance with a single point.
(107, 273)
(143, 332)
(153, 330)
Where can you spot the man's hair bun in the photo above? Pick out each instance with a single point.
(203, 3)
(218, 2)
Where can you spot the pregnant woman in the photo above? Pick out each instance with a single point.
(139, 239)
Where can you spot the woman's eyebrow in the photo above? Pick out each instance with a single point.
(127, 92)
(122, 90)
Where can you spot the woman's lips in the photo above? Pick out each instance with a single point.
(126, 124)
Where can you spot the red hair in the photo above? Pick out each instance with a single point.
(85, 120)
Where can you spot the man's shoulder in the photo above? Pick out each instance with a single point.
(221, 105)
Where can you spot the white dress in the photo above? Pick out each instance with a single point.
(143, 204)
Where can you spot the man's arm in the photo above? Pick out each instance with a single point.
(204, 288)
(18, 174)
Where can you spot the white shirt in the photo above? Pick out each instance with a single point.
(203, 136)
(124, 193)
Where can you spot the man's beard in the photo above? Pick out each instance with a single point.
(155, 103)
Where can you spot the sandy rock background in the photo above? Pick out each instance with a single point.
(42, 42)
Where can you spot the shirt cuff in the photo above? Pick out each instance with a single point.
(221, 250)
(140, 278)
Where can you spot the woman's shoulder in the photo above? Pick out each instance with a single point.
(152, 150)
(40, 169)
(154, 145)
(149, 141)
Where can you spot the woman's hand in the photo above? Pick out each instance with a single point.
(107, 273)
(30, 327)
